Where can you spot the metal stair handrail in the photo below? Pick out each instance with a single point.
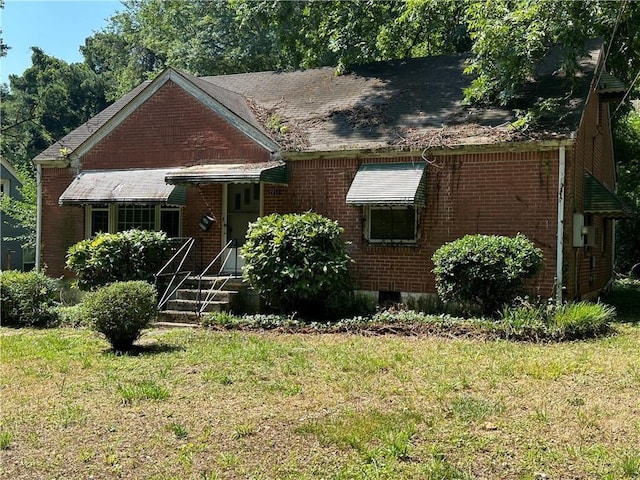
(178, 277)
(212, 292)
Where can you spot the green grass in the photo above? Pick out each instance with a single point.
(142, 390)
(5, 439)
(196, 404)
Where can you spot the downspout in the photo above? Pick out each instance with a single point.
(560, 231)
(38, 214)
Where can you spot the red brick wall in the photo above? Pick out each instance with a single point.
(497, 193)
(170, 129)
(590, 268)
(61, 226)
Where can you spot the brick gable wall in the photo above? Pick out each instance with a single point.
(169, 129)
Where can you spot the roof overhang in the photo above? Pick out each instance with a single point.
(268, 172)
(388, 184)
(598, 199)
(141, 186)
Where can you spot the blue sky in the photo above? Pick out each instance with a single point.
(57, 27)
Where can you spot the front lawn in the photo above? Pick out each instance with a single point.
(199, 404)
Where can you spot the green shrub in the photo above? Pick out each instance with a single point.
(297, 262)
(487, 271)
(113, 257)
(624, 295)
(70, 316)
(121, 311)
(27, 298)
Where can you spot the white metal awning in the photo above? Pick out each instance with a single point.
(388, 184)
(122, 186)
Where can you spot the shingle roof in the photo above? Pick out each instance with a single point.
(411, 103)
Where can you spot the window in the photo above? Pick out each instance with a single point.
(136, 216)
(117, 218)
(99, 220)
(170, 221)
(392, 224)
(4, 186)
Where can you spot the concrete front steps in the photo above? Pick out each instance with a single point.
(182, 310)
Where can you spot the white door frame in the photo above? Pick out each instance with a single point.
(231, 265)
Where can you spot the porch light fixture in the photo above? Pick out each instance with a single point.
(206, 221)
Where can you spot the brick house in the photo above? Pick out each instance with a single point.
(388, 150)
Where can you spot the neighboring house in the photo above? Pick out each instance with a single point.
(12, 255)
(389, 151)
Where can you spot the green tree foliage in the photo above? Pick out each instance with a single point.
(627, 147)
(219, 37)
(46, 102)
(22, 209)
(110, 257)
(297, 262)
(511, 36)
(486, 271)
(3, 46)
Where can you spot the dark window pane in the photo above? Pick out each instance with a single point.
(99, 221)
(170, 222)
(393, 224)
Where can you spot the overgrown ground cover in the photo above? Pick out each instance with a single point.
(199, 404)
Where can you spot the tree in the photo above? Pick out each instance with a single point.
(220, 37)
(627, 147)
(22, 209)
(3, 46)
(511, 36)
(49, 100)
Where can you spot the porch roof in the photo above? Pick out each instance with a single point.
(388, 184)
(122, 186)
(600, 200)
(269, 172)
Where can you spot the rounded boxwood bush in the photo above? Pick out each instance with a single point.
(27, 298)
(297, 262)
(112, 257)
(120, 311)
(487, 271)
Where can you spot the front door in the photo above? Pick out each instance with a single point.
(242, 207)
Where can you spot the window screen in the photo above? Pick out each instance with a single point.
(392, 224)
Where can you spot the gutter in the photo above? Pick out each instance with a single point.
(560, 229)
(38, 214)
